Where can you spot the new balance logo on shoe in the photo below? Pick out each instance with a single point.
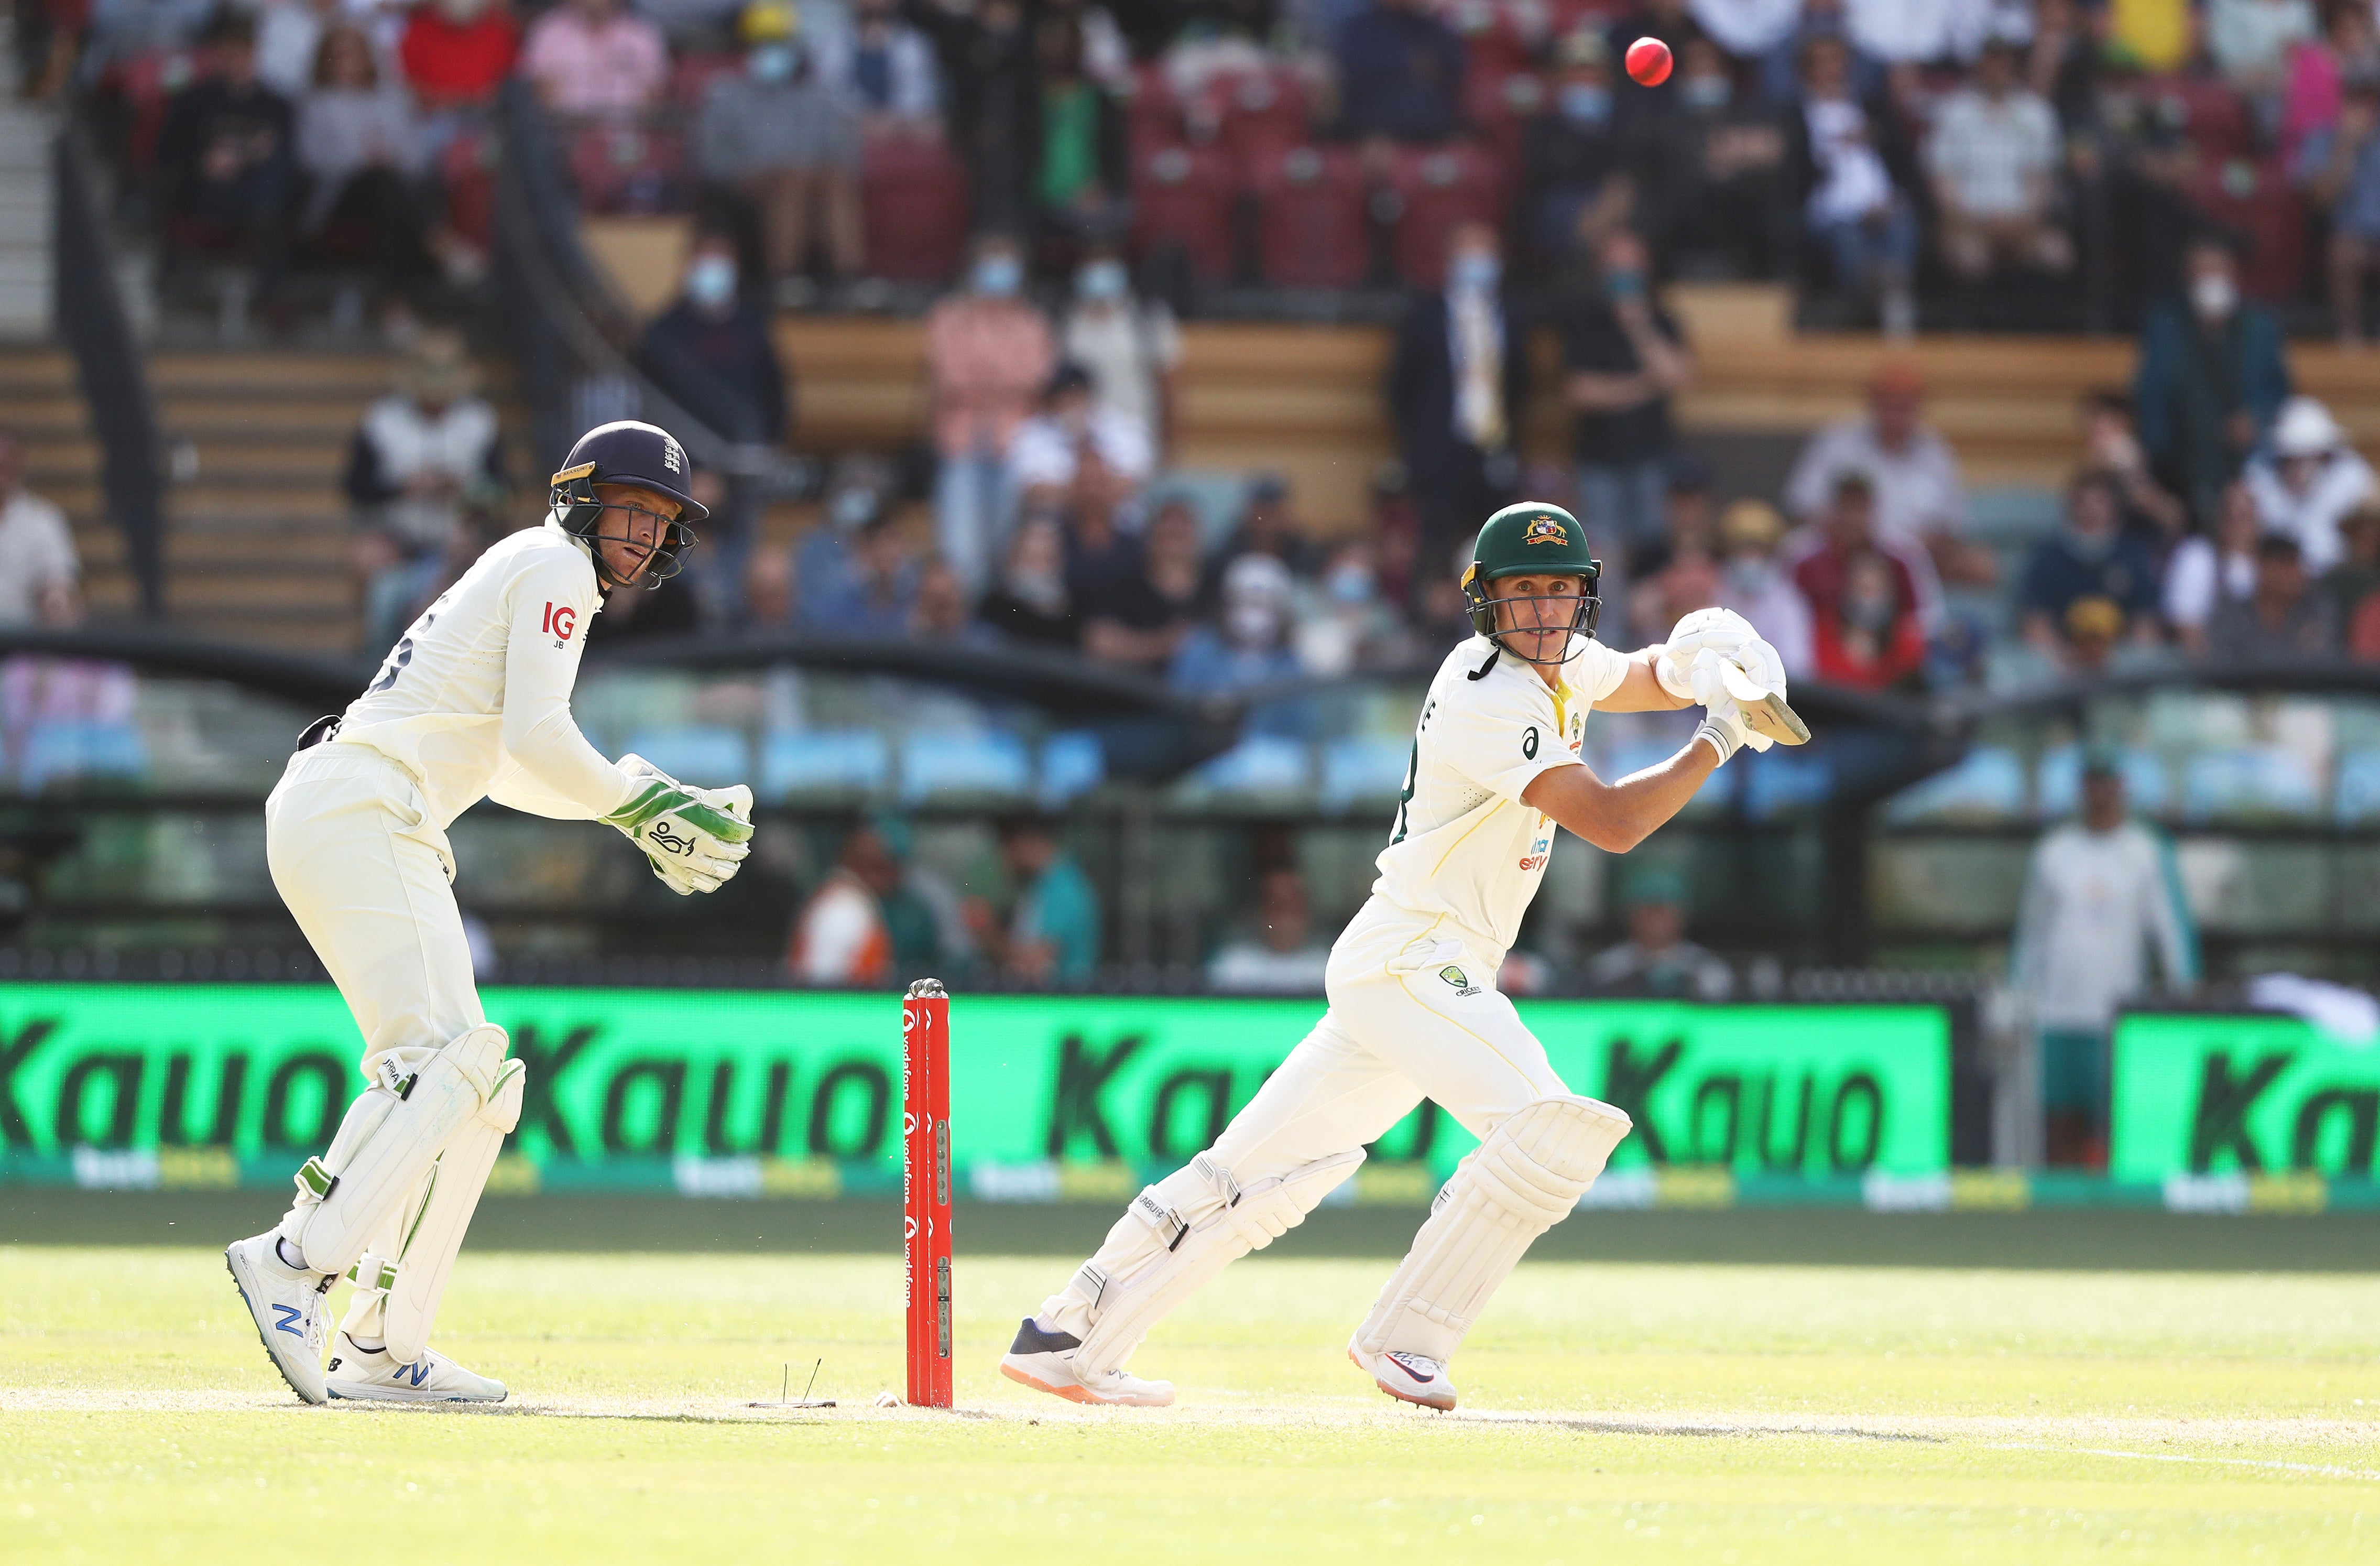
(288, 1322)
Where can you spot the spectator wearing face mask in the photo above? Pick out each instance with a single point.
(2089, 557)
(1457, 391)
(594, 58)
(2212, 377)
(1268, 526)
(1868, 636)
(1820, 558)
(989, 355)
(2207, 571)
(1853, 174)
(1349, 624)
(1574, 177)
(1130, 348)
(1717, 192)
(788, 143)
(712, 351)
(2306, 478)
(886, 66)
(1048, 450)
(1623, 358)
(1753, 585)
(1031, 605)
(1249, 644)
(2282, 620)
(1921, 500)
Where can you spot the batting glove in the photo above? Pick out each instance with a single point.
(1723, 727)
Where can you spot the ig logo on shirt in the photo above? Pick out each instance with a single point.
(558, 623)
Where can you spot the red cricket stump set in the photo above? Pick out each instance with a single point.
(925, 1188)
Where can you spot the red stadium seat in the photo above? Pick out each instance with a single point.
(467, 168)
(1438, 189)
(2257, 203)
(1153, 115)
(1311, 227)
(695, 73)
(145, 83)
(913, 200)
(2207, 110)
(1264, 116)
(626, 168)
(1500, 107)
(1181, 194)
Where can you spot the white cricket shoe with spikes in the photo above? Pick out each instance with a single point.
(374, 1375)
(1045, 1362)
(1408, 1378)
(288, 1306)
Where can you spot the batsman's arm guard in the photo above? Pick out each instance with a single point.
(1521, 1181)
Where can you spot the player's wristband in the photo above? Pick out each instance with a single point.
(1717, 739)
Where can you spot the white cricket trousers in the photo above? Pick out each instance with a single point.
(368, 879)
(1414, 1014)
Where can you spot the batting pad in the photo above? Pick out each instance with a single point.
(392, 1135)
(1521, 1181)
(400, 1281)
(1183, 1231)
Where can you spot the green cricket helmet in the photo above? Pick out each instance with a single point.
(1531, 539)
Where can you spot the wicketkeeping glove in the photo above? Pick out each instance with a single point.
(695, 838)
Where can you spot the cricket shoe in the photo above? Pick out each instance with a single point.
(1045, 1360)
(374, 1375)
(1408, 1378)
(289, 1306)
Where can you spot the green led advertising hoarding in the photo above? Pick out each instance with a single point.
(2252, 1094)
(630, 1075)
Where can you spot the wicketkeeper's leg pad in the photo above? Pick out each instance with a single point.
(401, 1278)
(419, 1100)
(1521, 1181)
(1180, 1232)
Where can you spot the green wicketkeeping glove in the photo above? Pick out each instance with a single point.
(697, 838)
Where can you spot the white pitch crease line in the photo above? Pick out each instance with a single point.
(2185, 1457)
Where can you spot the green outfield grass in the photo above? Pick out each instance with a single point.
(1721, 1414)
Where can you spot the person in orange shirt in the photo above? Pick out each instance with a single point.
(842, 938)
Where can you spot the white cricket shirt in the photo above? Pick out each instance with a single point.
(2095, 905)
(475, 698)
(1464, 847)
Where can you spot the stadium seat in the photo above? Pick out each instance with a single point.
(1368, 768)
(913, 203)
(1182, 196)
(1073, 763)
(1152, 114)
(2057, 783)
(708, 755)
(1262, 116)
(2355, 797)
(74, 749)
(2257, 201)
(2013, 515)
(1437, 189)
(1259, 764)
(986, 762)
(1988, 784)
(626, 168)
(2257, 781)
(690, 80)
(795, 761)
(466, 169)
(1311, 227)
(144, 83)
(2206, 111)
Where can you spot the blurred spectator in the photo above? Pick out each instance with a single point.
(853, 576)
(1052, 935)
(2306, 478)
(2099, 894)
(875, 917)
(420, 455)
(1354, 625)
(1248, 646)
(456, 53)
(2094, 630)
(119, 30)
(789, 143)
(2152, 35)
(1716, 200)
(2209, 569)
(2211, 378)
(1867, 615)
(1746, 28)
(595, 57)
(2283, 620)
(1847, 522)
(225, 162)
(940, 614)
(2152, 516)
(1139, 619)
(1993, 157)
(2354, 585)
(1400, 72)
(1458, 389)
(1031, 605)
(2250, 41)
(38, 588)
(989, 354)
(2088, 557)
(2339, 165)
(1920, 500)
(1131, 347)
(1910, 33)
(712, 350)
(886, 67)
(986, 54)
(1080, 163)
(1753, 585)
(1688, 579)
(1278, 955)
(1100, 556)
(2061, 63)
(361, 148)
(1623, 358)
(1268, 526)
(2319, 70)
(1657, 959)
(1575, 185)
(289, 42)
(1853, 174)
(1050, 449)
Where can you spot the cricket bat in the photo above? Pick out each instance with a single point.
(1765, 712)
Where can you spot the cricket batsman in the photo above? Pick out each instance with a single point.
(1414, 1009)
(474, 701)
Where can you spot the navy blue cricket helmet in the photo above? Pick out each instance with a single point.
(628, 452)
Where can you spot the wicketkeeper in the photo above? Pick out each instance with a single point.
(473, 702)
(1414, 1009)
